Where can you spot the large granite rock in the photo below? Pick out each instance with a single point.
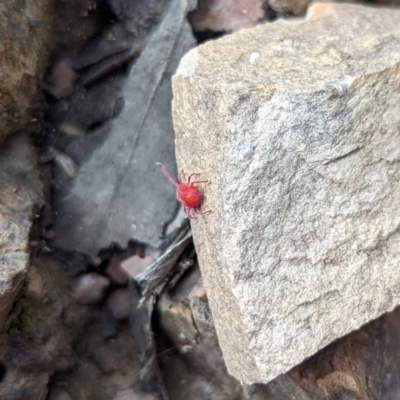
(296, 126)
(21, 191)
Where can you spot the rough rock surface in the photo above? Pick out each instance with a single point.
(119, 194)
(24, 29)
(300, 140)
(21, 190)
(39, 335)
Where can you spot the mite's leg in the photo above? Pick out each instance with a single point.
(196, 211)
(190, 177)
(190, 215)
(180, 176)
(192, 183)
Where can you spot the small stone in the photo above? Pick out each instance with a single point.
(96, 261)
(46, 249)
(119, 303)
(66, 164)
(226, 15)
(340, 379)
(135, 265)
(115, 271)
(61, 79)
(296, 7)
(71, 129)
(59, 394)
(90, 288)
(185, 349)
(34, 287)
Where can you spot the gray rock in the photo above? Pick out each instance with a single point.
(299, 138)
(59, 394)
(119, 193)
(21, 190)
(61, 79)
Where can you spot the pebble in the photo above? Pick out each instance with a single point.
(119, 303)
(59, 394)
(135, 265)
(114, 270)
(226, 15)
(90, 288)
(62, 79)
(34, 288)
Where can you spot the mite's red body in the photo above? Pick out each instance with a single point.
(187, 193)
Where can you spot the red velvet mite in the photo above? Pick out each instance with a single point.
(186, 193)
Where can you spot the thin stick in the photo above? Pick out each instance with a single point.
(165, 172)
